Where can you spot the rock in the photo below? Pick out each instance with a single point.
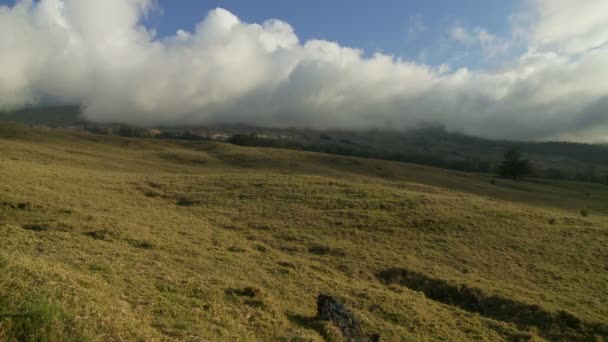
(330, 309)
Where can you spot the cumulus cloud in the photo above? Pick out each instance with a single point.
(97, 53)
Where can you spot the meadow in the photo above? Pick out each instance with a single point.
(115, 239)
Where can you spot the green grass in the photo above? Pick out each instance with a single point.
(37, 320)
(162, 240)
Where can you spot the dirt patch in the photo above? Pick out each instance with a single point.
(559, 325)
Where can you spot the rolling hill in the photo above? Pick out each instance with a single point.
(425, 145)
(114, 239)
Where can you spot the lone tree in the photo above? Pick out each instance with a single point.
(513, 166)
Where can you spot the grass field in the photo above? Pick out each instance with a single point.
(113, 239)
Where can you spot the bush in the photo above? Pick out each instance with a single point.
(584, 213)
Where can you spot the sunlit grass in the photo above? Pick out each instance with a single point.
(158, 240)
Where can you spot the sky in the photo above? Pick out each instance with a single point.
(413, 29)
(522, 69)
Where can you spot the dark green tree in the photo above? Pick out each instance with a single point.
(513, 166)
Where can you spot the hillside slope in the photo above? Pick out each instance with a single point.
(106, 238)
(427, 145)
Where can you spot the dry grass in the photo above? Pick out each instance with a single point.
(158, 240)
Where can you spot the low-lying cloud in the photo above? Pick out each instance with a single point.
(97, 53)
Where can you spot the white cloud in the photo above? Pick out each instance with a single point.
(416, 27)
(227, 71)
(570, 26)
(461, 35)
(490, 44)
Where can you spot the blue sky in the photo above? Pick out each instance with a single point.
(413, 29)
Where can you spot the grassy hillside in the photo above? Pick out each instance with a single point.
(430, 145)
(107, 238)
(437, 147)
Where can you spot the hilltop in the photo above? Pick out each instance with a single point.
(111, 238)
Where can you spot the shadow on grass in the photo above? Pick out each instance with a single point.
(559, 325)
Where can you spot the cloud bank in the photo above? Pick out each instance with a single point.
(98, 54)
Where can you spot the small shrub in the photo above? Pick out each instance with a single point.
(259, 227)
(235, 249)
(37, 227)
(186, 202)
(141, 244)
(100, 268)
(324, 250)
(261, 248)
(286, 264)
(289, 249)
(250, 292)
(165, 287)
(584, 213)
(24, 206)
(152, 193)
(249, 296)
(103, 235)
(47, 227)
(255, 303)
(552, 221)
(20, 206)
(155, 185)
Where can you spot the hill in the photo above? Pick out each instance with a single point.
(433, 146)
(109, 238)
